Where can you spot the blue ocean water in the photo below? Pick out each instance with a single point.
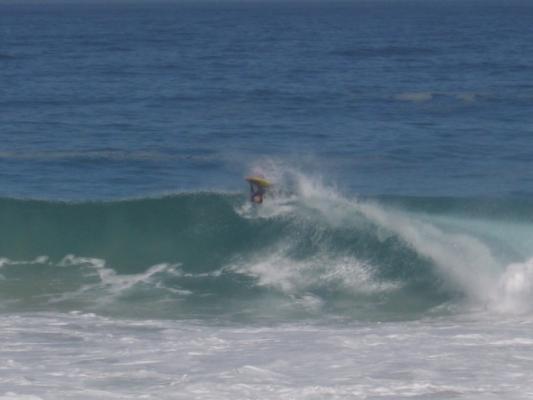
(127, 99)
(392, 257)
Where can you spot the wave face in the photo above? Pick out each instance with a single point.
(305, 254)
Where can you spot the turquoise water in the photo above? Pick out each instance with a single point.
(311, 254)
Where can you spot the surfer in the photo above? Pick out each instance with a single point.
(256, 193)
(258, 185)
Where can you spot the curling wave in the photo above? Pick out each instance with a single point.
(307, 254)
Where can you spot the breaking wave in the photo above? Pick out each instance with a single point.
(307, 251)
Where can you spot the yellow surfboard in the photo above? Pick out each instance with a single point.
(258, 180)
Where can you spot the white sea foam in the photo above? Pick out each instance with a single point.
(73, 260)
(79, 356)
(37, 260)
(271, 208)
(110, 284)
(515, 289)
(291, 276)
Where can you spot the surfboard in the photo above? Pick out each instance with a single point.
(258, 180)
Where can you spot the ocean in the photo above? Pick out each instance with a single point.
(392, 257)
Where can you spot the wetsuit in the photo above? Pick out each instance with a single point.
(256, 192)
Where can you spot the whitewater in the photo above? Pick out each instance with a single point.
(316, 294)
(84, 356)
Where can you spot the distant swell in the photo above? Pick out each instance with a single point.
(301, 255)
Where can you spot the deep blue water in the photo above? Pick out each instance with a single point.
(129, 99)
